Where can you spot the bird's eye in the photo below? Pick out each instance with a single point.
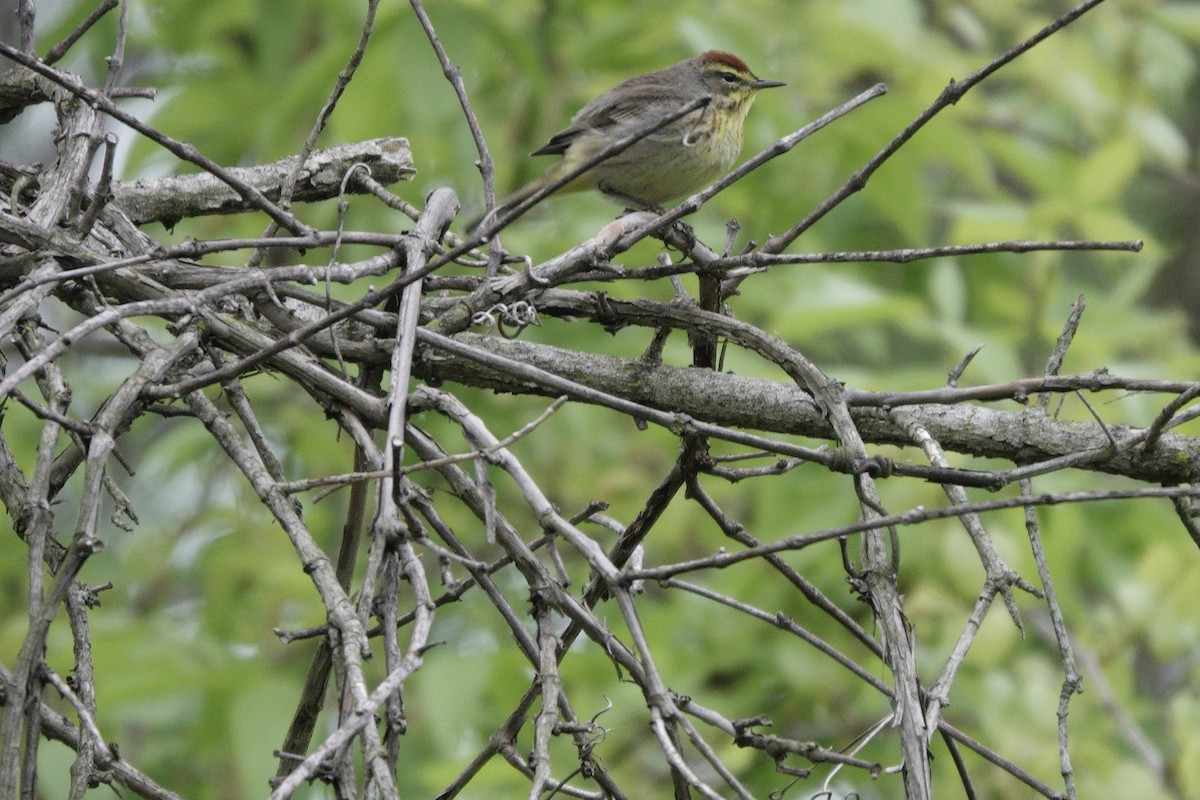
(729, 77)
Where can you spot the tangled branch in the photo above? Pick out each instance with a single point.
(183, 327)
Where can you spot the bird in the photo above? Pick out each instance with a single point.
(677, 159)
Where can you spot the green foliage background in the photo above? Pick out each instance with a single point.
(1092, 135)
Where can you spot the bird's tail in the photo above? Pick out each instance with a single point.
(510, 202)
(559, 169)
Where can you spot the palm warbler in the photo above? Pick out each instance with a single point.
(685, 155)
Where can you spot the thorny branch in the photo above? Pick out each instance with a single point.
(82, 246)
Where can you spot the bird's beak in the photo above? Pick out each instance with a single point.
(761, 84)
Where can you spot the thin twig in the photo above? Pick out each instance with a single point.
(949, 96)
(453, 74)
(1054, 362)
(183, 150)
(59, 50)
(1072, 680)
(916, 516)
